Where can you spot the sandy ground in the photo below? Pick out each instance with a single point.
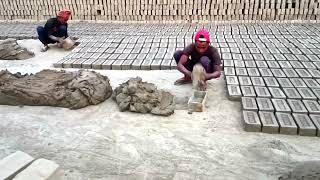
(99, 142)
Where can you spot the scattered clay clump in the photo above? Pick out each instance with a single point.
(142, 97)
(10, 50)
(72, 90)
(309, 170)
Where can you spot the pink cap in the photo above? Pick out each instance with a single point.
(202, 35)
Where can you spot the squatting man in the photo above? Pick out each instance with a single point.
(55, 30)
(199, 52)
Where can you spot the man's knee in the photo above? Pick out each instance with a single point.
(40, 29)
(177, 55)
(63, 30)
(204, 60)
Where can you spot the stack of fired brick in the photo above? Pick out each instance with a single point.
(163, 10)
(275, 72)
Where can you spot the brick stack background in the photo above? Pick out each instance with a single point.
(163, 10)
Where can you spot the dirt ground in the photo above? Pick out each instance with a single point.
(99, 142)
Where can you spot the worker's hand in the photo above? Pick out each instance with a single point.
(61, 40)
(208, 76)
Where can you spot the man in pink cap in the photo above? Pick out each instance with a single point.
(55, 30)
(198, 52)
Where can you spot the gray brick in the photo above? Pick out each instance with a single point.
(264, 104)
(247, 57)
(229, 71)
(269, 122)
(77, 63)
(316, 93)
(279, 57)
(278, 73)
(236, 56)
(104, 56)
(241, 72)
(248, 91)
(232, 80)
(136, 65)
(239, 63)
(305, 125)
(262, 92)
(250, 64)
(234, 92)
(284, 51)
(313, 57)
(257, 81)
(88, 63)
(116, 65)
(296, 64)
(254, 50)
(107, 64)
(281, 105)
(312, 106)
(290, 73)
(245, 81)
(146, 64)
(284, 82)
(156, 63)
(251, 121)
(261, 64)
(258, 57)
(165, 64)
(126, 65)
(228, 63)
(14, 164)
(273, 64)
(292, 93)
(317, 64)
(59, 64)
(114, 56)
(97, 64)
(301, 57)
(298, 82)
(277, 93)
(303, 73)
(226, 56)
(311, 83)
(265, 72)
(316, 121)
(123, 56)
(309, 65)
(305, 51)
(268, 57)
(297, 106)
(249, 104)
(271, 82)
(253, 72)
(306, 94)
(290, 57)
(284, 64)
(287, 124)
(314, 73)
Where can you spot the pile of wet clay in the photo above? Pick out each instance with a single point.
(142, 97)
(11, 50)
(72, 90)
(309, 170)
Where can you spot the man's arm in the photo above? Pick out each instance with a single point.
(216, 65)
(180, 65)
(215, 74)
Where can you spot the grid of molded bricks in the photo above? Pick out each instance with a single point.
(275, 74)
(163, 10)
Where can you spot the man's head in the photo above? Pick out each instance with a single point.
(64, 15)
(202, 40)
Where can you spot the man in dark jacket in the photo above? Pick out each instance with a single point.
(198, 52)
(55, 30)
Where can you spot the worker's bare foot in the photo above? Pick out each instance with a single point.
(44, 48)
(184, 80)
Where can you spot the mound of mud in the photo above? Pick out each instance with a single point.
(72, 90)
(10, 50)
(142, 97)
